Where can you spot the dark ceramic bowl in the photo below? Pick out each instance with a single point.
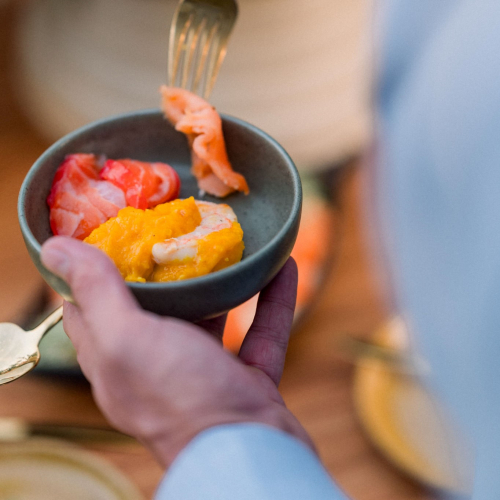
(269, 215)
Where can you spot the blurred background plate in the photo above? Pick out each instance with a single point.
(46, 469)
(406, 421)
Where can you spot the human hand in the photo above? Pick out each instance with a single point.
(164, 380)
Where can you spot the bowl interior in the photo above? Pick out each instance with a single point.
(273, 180)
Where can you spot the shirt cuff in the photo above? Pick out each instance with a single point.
(246, 461)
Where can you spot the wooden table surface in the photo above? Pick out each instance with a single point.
(316, 384)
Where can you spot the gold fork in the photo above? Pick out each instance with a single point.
(199, 35)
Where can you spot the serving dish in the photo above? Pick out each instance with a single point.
(269, 215)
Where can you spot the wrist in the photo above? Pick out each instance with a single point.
(282, 419)
(168, 446)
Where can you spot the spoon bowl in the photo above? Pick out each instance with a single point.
(19, 352)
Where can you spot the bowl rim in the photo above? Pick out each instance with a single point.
(245, 264)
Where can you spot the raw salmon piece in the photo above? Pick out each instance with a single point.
(145, 184)
(79, 201)
(202, 125)
(212, 184)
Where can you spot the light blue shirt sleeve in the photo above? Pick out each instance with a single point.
(247, 462)
(439, 195)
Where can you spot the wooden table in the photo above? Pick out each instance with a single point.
(316, 384)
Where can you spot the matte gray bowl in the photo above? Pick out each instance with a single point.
(269, 215)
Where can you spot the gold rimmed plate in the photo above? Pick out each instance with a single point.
(407, 423)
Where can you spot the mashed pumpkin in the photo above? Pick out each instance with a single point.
(216, 251)
(190, 238)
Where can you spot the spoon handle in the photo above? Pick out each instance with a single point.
(51, 320)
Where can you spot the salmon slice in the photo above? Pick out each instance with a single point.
(79, 200)
(201, 123)
(211, 184)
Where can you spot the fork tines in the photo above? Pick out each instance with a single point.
(198, 40)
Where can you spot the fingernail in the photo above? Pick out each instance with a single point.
(56, 261)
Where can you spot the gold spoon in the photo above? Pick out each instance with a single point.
(19, 348)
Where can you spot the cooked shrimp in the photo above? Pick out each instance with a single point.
(216, 243)
(214, 217)
(202, 125)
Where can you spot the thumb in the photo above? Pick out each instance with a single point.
(95, 282)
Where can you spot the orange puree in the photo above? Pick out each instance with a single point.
(216, 251)
(195, 238)
(129, 237)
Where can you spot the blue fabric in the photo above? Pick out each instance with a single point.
(439, 185)
(246, 462)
